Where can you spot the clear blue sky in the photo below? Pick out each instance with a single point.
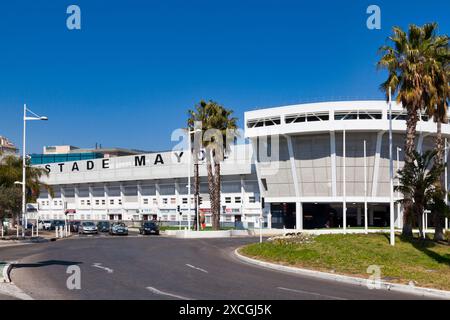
(129, 75)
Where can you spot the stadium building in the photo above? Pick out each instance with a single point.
(301, 166)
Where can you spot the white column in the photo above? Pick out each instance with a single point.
(158, 198)
(376, 165)
(298, 215)
(122, 200)
(64, 204)
(91, 199)
(365, 188)
(77, 200)
(106, 196)
(333, 163)
(446, 179)
(344, 185)
(139, 193)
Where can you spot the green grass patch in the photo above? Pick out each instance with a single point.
(425, 262)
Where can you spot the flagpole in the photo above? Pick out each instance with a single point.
(391, 175)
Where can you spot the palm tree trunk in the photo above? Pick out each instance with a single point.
(196, 190)
(212, 194)
(438, 217)
(216, 221)
(408, 211)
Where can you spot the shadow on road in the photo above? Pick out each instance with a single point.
(45, 264)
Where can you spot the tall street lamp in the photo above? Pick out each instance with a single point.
(189, 179)
(24, 162)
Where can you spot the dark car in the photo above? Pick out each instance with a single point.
(56, 224)
(103, 226)
(118, 228)
(149, 227)
(74, 225)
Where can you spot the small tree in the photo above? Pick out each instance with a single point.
(418, 183)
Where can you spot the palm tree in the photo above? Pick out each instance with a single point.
(417, 183)
(215, 120)
(437, 97)
(406, 62)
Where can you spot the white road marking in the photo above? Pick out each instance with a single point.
(196, 268)
(311, 293)
(162, 293)
(99, 265)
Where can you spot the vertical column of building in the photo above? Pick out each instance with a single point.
(295, 181)
(91, 201)
(139, 195)
(122, 195)
(64, 202)
(158, 198)
(77, 200)
(106, 196)
(242, 197)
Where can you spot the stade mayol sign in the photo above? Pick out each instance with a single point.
(106, 163)
(136, 161)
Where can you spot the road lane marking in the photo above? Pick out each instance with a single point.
(162, 293)
(99, 265)
(311, 293)
(196, 268)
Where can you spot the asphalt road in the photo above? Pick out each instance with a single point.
(152, 267)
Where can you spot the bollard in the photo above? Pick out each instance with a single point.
(56, 232)
(32, 231)
(17, 230)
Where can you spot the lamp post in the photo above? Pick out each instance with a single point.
(24, 162)
(391, 175)
(399, 216)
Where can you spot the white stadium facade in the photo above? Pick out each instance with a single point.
(301, 166)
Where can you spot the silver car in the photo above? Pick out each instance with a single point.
(118, 228)
(87, 227)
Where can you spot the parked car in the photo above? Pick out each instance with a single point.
(87, 227)
(149, 227)
(118, 228)
(74, 225)
(103, 226)
(46, 224)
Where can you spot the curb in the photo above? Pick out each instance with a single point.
(5, 272)
(424, 292)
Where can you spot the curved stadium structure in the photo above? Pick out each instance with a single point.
(291, 172)
(303, 181)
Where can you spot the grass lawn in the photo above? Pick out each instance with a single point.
(425, 262)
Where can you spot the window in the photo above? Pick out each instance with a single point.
(145, 201)
(155, 201)
(97, 202)
(165, 201)
(111, 201)
(120, 201)
(55, 203)
(173, 200)
(82, 202)
(237, 200)
(185, 200)
(103, 201)
(227, 199)
(251, 199)
(88, 202)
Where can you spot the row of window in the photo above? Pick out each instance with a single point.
(146, 201)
